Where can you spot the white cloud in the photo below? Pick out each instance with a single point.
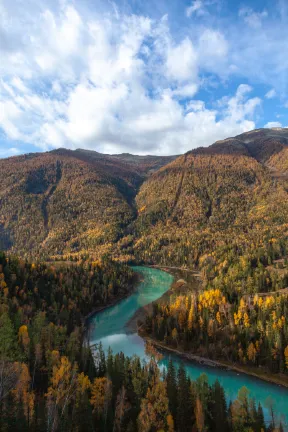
(270, 94)
(18, 84)
(213, 51)
(273, 125)
(201, 8)
(9, 116)
(185, 91)
(114, 84)
(238, 107)
(182, 62)
(56, 87)
(162, 125)
(252, 18)
(195, 105)
(197, 8)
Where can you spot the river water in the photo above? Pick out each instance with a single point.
(108, 327)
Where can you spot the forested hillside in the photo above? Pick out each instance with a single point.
(44, 354)
(232, 195)
(222, 209)
(213, 206)
(214, 197)
(68, 201)
(51, 381)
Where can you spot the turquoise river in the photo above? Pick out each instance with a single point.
(108, 327)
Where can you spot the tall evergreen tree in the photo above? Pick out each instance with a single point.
(184, 405)
(217, 409)
(172, 389)
(260, 424)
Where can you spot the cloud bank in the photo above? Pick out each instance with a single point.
(116, 82)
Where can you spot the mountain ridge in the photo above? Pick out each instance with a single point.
(81, 201)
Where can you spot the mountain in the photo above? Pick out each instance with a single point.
(232, 194)
(69, 201)
(169, 210)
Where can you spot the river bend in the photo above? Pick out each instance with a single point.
(108, 327)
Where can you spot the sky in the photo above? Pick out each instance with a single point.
(144, 77)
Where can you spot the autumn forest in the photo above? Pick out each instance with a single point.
(71, 225)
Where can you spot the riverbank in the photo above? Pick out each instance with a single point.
(132, 288)
(181, 286)
(184, 280)
(195, 273)
(110, 327)
(261, 374)
(135, 325)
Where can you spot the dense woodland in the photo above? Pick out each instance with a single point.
(69, 202)
(50, 380)
(230, 221)
(42, 311)
(207, 209)
(253, 331)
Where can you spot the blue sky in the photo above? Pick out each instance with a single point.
(157, 77)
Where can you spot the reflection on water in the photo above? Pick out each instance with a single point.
(108, 326)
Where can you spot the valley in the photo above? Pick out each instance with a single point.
(78, 219)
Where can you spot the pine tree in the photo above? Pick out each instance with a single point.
(9, 349)
(260, 423)
(172, 389)
(184, 405)
(122, 406)
(110, 363)
(217, 409)
(100, 360)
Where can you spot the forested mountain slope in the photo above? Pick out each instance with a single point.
(52, 381)
(223, 209)
(166, 210)
(214, 205)
(68, 201)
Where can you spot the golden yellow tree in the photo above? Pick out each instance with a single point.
(22, 393)
(286, 356)
(101, 393)
(170, 423)
(251, 352)
(246, 320)
(154, 409)
(191, 317)
(61, 391)
(175, 335)
(83, 385)
(210, 329)
(24, 339)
